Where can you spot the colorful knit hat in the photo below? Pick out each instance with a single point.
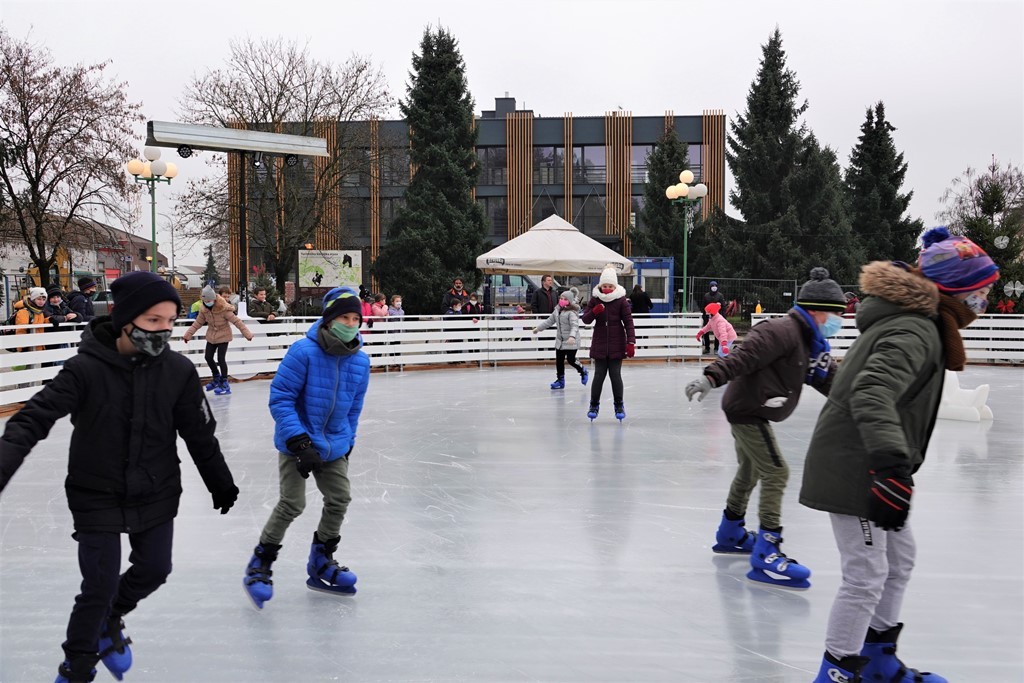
(954, 263)
(342, 300)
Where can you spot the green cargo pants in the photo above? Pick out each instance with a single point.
(332, 482)
(760, 460)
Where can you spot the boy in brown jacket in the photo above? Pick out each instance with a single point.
(219, 315)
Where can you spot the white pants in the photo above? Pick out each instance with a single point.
(876, 567)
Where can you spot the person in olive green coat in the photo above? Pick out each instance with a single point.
(871, 438)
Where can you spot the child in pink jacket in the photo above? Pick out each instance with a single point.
(722, 328)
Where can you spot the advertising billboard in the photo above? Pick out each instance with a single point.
(324, 269)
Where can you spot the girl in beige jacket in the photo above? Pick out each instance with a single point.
(219, 315)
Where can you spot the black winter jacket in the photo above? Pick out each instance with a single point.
(127, 411)
(766, 373)
(82, 305)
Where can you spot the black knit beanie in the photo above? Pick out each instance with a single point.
(821, 294)
(135, 293)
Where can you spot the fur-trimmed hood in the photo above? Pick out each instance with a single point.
(907, 289)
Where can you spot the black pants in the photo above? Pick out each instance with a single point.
(602, 367)
(222, 353)
(105, 590)
(562, 355)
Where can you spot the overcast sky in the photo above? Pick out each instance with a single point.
(951, 74)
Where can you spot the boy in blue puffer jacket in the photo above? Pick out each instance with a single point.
(315, 399)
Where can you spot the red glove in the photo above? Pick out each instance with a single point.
(699, 335)
(598, 308)
(630, 350)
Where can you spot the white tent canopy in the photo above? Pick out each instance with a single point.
(552, 246)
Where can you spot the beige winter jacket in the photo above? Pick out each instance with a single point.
(219, 318)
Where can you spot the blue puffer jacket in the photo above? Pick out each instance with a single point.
(320, 395)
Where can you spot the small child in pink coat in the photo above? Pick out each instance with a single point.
(722, 328)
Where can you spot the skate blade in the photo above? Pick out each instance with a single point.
(760, 576)
(315, 585)
(257, 605)
(729, 550)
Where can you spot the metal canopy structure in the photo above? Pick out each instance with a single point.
(187, 137)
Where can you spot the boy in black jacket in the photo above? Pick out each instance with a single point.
(126, 390)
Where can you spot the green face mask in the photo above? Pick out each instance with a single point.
(343, 331)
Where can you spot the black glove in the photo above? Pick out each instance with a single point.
(889, 498)
(307, 459)
(223, 500)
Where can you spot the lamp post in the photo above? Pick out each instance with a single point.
(151, 172)
(689, 198)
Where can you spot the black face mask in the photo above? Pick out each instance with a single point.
(149, 342)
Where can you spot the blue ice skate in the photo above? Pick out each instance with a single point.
(771, 566)
(620, 411)
(843, 670)
(325, 574)
(77, 669)
(213, 383)
(733, 537)
(884, 665)
(558, 383)
(114, 651)
(584, 376)
(223, 387)
(257, 582)
(592, 411)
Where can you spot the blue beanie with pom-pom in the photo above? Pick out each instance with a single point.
(954, 263)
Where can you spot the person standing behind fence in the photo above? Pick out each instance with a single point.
(218, 315)
(613, 339)
(80, 301)
(395, 310)
(379, 307)
(711, 296)
(640, 301)
(30, 311)
(474, 306)
(260, 308)
(725, 333)
(566, 321)
(56, 310)
(456, 292)
(544, 299)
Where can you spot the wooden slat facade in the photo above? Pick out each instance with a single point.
(328, 229)
(375, 171)
(519, 146)
(618, 147)
(567, 166)
(713, 159)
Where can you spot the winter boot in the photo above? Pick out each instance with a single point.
(880, 648)
(257, 582)
(324, 573)
(223, 387)
(584, 376)
(213, 383)
(558, 383)
(114, 651)
(843, 670)
(592, 411)
(732, 536)
(620, 411)
(770, 565)
(77, 669)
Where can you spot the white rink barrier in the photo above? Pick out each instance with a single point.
(433, 340)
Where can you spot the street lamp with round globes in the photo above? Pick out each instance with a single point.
(689, 196)
(151, 172)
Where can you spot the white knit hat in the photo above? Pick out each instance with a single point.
(36, 293)
(609, 276)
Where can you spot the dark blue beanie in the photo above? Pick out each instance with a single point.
(135, 293)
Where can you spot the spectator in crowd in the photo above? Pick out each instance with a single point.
(852, 304)
(639, 300)
(56, 310)
(379, 307)
(80, 301)
(474, 306)
(711, 296)
(456, 292)
(194, 310)
(545, 299)
(395, 310)
(225, 293)
(260, 308)
(30, 311)
(456, 308)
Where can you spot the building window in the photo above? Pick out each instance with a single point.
(589, 214)
(636, 210)
(638, 163)
(394, 167)
(588, 164)
(548, 165)
(357, 169)
(546, 205)
(355, 217)
(493, 165)
(496, 210)
(142, 254)
(389, 208)
(696, 155)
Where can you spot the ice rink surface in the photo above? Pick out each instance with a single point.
(498, 535)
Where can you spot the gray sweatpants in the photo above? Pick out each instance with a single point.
(333, 484)
(760, 460)
(876, 568)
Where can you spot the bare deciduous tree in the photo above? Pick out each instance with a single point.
(65, 133)
(277, 86)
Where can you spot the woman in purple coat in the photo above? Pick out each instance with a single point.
(613, 338)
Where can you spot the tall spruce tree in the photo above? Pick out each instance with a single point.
(210, 274)
(788, 188)
(876, 205)
(440, 230)
(661, 222)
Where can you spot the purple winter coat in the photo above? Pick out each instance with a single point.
(613, 328)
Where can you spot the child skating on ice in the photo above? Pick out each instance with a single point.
(871, 439)
(613, 339)
(566, 321)
(765, 377)
(219, 315)
(723, 330)
(129, 397)
(315, 399)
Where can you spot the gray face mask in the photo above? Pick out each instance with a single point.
(149, 342)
